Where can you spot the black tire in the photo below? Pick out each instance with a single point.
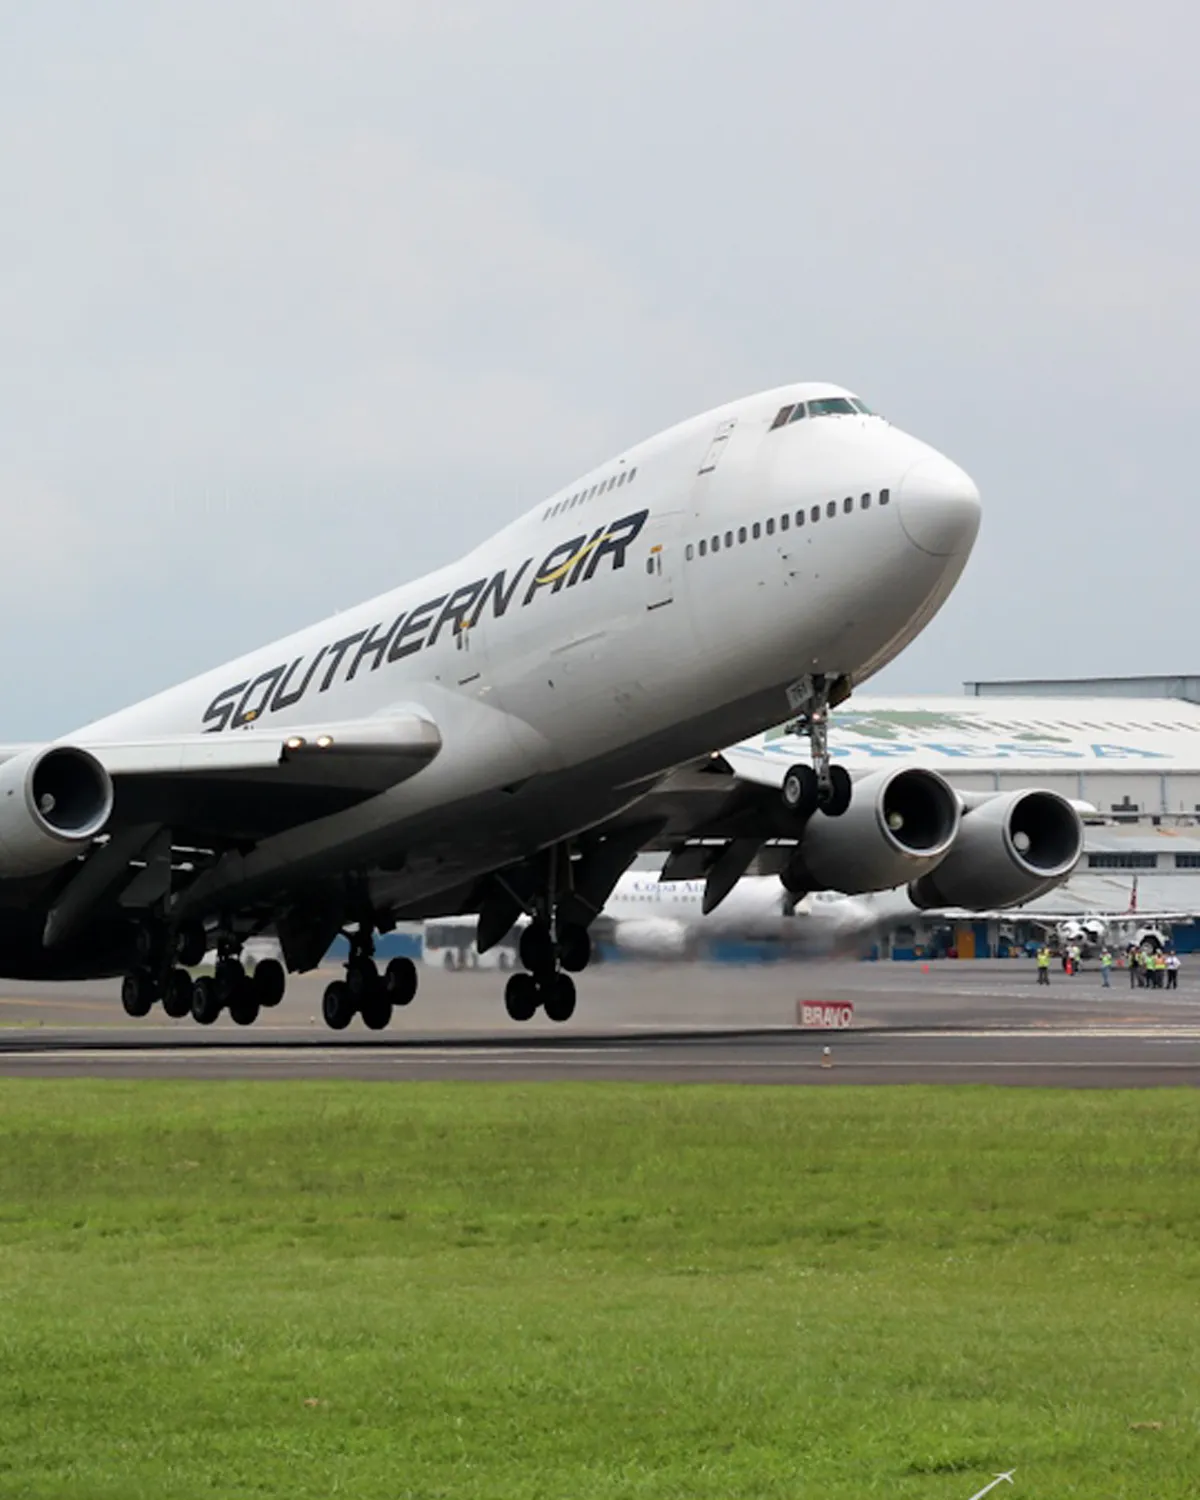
(227, 980)
(800, 791)
(337, 1006)
(362, 980)
(191, 944)
(521, 996)
(536, 948)
(574, 948)
(138, 993)
(400, 980)
(840, 791)
(244, 1007)
(559, 998)
(205, 1005)
(270, 981)
(377, 1012)
(177, 996)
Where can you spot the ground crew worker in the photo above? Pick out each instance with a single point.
(1076, 955)
(1131, 954)
(1043, 965)
(1160, 969)
(1172, 970)
(1106, 962)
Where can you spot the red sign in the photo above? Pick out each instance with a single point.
(823, 1017)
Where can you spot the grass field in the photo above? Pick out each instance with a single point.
(372, 1291)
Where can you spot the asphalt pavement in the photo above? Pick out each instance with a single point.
(945, 1022)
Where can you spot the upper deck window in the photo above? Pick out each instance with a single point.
(831, 406)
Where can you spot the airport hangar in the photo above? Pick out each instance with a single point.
(1126, 747)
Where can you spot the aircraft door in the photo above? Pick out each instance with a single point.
(658, 564)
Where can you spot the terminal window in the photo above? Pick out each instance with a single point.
(1122, 861)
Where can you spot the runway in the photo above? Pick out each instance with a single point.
(970, 1022)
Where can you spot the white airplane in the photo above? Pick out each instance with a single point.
(503, 735)
(655, 918)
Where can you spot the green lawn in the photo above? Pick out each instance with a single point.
(576, 1291)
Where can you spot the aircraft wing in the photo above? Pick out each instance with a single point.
(248, 784)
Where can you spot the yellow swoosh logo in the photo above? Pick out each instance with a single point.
(570, 562)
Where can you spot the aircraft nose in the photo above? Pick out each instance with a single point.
(939, 507)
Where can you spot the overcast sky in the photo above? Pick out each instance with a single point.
(299, 299)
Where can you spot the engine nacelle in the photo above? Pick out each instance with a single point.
(1011, 848)
(652, 937)
(900, 823)
(53, 802)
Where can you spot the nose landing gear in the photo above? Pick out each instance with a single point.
(821, 787)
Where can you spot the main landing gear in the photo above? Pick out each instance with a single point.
(365, 991)
(161, 974)
(550, 958)
(821, 787)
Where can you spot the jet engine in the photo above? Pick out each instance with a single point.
(652, 937)
(53, 802)
(900, 823)
(1011, 848)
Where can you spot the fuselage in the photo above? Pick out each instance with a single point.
(648, 612)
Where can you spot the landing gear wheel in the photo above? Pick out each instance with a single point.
(800, 791)
(521, 996)
(559, 998)
(376, 1011)
(191, 944)
(400, 980)
(337, 1007)
(269, 981)
(362, 980)
(228, 980)
(205, 1005)
(574, 948)
(138, 993)
(244, 1007)
(837, 799)
(177, 996)
(536, 948)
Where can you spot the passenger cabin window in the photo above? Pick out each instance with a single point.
(756, 531)
(848, 504)
(831, 509)
(770, 525)
(689, 552)
(703, 546)
(741, 533)
(799, 518)
(866, 502)
(884, 496)
(830, 406)
(814, 515)
(716, 544)
(784, 521)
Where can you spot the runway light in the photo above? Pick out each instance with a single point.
(324, 741)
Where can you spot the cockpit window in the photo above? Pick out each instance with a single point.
(797, 412)
(862, 407)
(831, 406)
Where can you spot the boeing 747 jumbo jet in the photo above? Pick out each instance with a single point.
(502, 736)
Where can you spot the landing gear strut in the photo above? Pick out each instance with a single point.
(821, 786)
(365, 991)
(551, 951)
